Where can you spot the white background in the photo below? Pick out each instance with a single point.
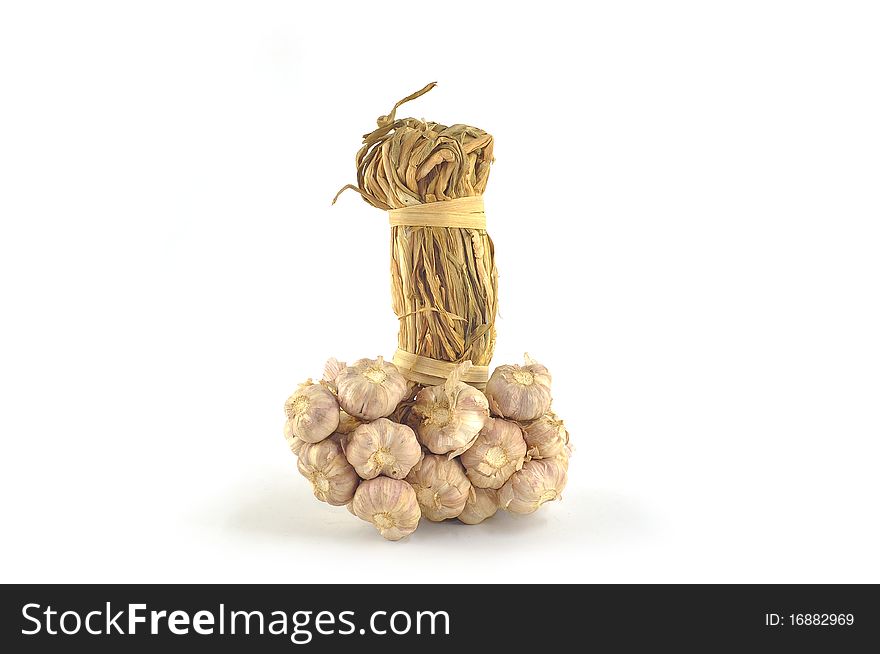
(685, 207)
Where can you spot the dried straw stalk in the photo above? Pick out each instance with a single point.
(444, 283)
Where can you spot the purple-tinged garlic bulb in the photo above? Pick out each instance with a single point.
(324, 464)
(447, 418)
(519, 392)
(539, 481)
(389, 504)
(313, 412)
(371, 388)
(383, 447)
(498, 452)
(546, 437)
(441, 487)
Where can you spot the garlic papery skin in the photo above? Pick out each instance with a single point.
(481, 505)
(539, 481)
(498, 452)
(565, 454)
(546, 437)
(293, 442)
(441, 487)
(324, 464)
(347, 422)
(313, 412)
(332, 369)
(448, 418)
(371, 388)
(383, 447)
(390, 504)
(519, 392)
(340, 439)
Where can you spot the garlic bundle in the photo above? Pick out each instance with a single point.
(324, 464)
(481, 505)
(519, 392)
(539, 481)
(383, 447)
(293, 441)
(313, 412)
(441, 487)
(390, 504)
(370, 388)
(546, 437)
(498, 452)
(436, 451)
(447, 418)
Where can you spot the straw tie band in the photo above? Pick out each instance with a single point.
(466, 213)
(432, 372)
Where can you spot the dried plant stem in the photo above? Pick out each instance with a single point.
(443, 279)
(444, 291)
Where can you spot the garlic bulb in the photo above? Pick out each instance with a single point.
(371, 389)
(293, 441)
(313, 412)
(347, 423)
(519, 392)
(539, 481)
(481, 505)
(383, 447)
(441, 487)
(546, 436)
(390, 504)
(448, 418)
(498, 452)
(332, 477)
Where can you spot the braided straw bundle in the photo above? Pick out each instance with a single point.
(443, 278)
